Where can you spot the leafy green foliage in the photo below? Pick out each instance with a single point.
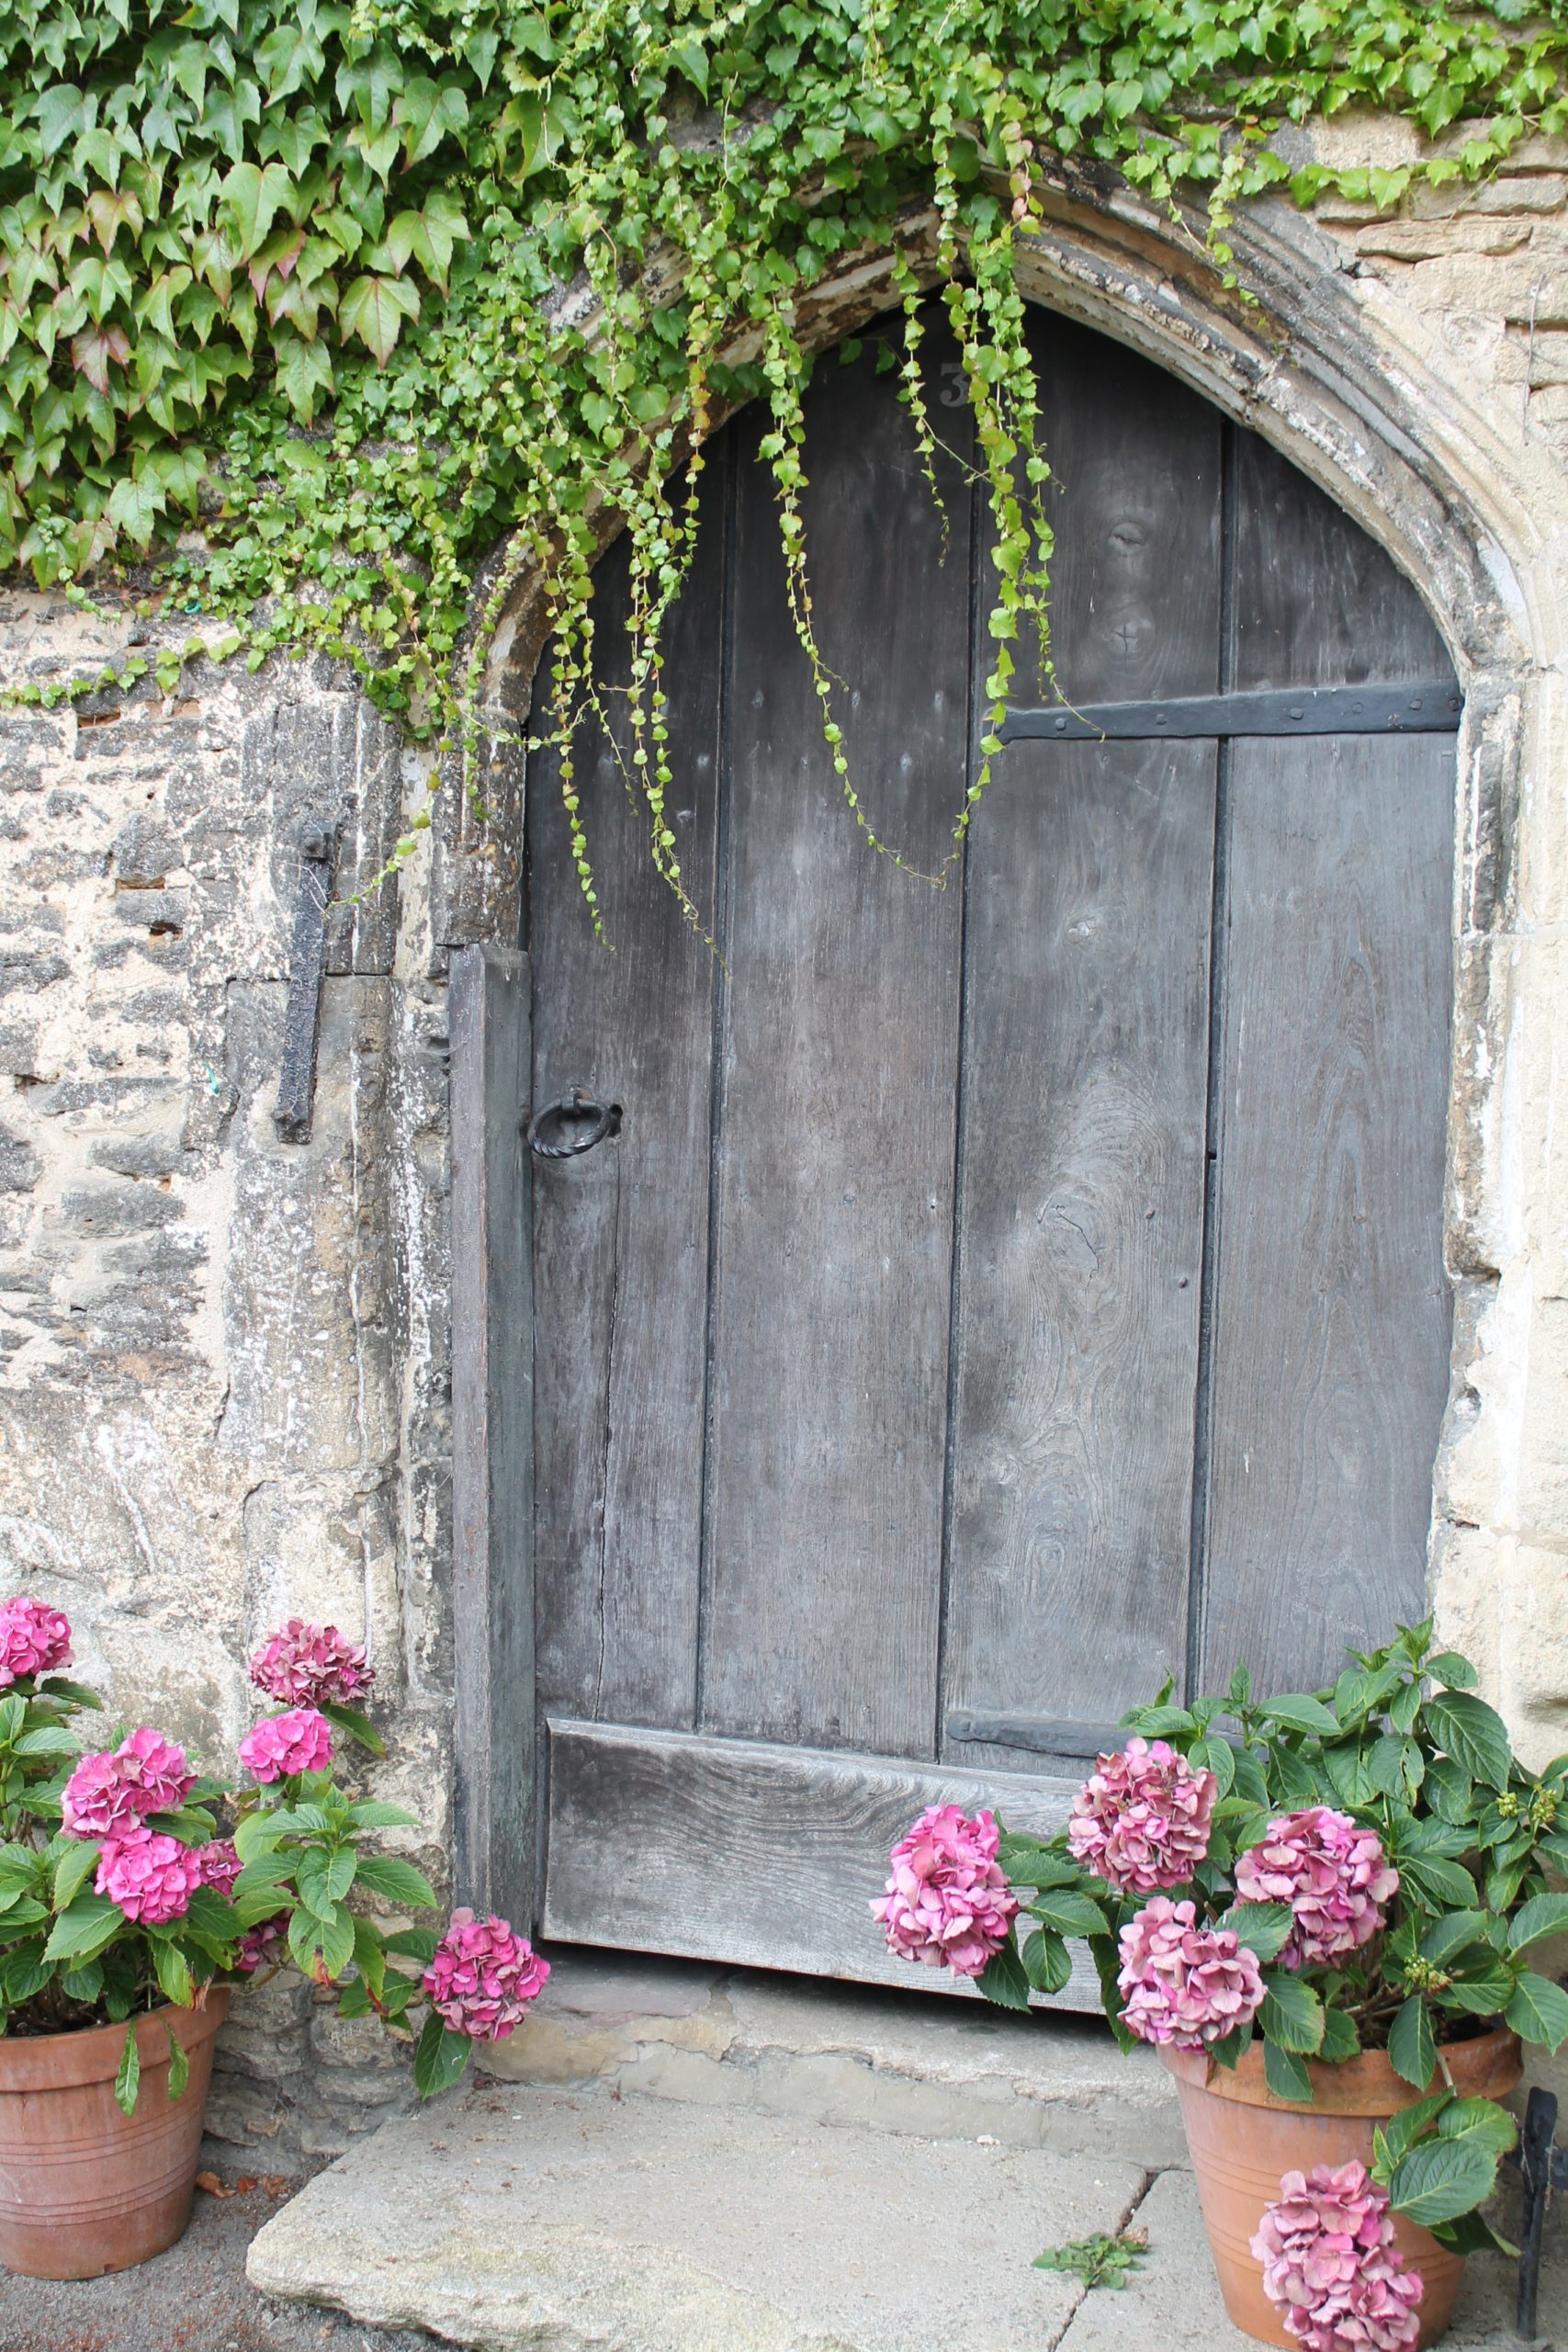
(366, 288)
(1404, 1746)
(1098, 2261)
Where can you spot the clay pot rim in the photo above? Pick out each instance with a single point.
(91, 2054)
(1487, 2065)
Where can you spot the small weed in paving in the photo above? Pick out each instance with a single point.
(1098, 2261)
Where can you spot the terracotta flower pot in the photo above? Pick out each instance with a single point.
(85, 2188)
(1243, 2139)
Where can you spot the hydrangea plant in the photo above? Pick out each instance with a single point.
(129, 1879)
(1362, 1868)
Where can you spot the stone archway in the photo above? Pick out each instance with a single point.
(1342, 391)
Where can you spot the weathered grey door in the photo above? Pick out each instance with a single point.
(996, 1298)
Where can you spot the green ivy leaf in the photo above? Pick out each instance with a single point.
(374, 309)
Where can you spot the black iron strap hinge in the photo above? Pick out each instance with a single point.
(1423, 707)
(303, 1013)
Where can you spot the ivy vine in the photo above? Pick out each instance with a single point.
(308, 306)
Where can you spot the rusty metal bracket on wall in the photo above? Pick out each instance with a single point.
(303, 1015)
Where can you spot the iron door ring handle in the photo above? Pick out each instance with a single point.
(565, 1129)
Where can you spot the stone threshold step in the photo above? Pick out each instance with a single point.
(912, 2063)
(595, 2221)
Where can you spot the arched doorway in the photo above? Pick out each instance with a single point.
(998, 1297)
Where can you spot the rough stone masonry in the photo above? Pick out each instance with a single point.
(224, 1390)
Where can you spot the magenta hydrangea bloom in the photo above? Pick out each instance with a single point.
(221, 1865)
(1333, 1874)
(1330, 2263)
(306, 1664)
(33, 1640)
(482, 1977)
(257, 1944)
(154, 1770)
(1184, 1985)
(299, 1741)
(948, 1903)
(1141, 1819)
(150, 1877)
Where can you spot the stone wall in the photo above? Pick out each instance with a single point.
(223, 1358)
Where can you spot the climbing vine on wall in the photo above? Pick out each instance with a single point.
(308, 306)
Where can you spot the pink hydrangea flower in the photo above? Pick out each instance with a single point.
(1141, 1819)
(299, 1741)
(1333, 1874)
(309, 1663)
(947, 1904)
(97, 1800)
(257, 1944)
(1185, 1984)
(482, 1977)
(110, 1793)
(221, 1865)
(150, 1877)
(1330, 2263)
(154, 1770)
(33, 1640)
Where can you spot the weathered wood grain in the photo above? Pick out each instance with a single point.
(1086, 1074)
(835, 1156)
(1331, 1307)
(741, 1850)
(493, 1435)
(1315, 601)
(621, 1233)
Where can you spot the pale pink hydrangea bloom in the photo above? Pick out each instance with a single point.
(34, 1640)
(1331, 2266)
(1141, 1819)
(1333, 1874)
(299, 1741)
(482, 1977)
(1184, 1985)
(948, 1903)
(150, 1877)
(221, 1865)
(111, 1793)
(257, 1944)
(309, 1663)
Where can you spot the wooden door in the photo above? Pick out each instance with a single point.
(994, 1297)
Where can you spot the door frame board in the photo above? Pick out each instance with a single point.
(492, 1434)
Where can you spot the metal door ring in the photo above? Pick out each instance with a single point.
(565, 1129)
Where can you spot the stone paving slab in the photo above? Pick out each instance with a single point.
(911, 2062)
(1173, 2303)
(502, 2218)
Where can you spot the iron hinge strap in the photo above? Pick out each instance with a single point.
(1420, 707)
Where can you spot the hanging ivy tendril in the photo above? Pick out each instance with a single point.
(306, 308)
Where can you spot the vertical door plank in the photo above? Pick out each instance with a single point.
(621, 1234)
(1315, 601)
(1082, 1233)
(1085, 1063)
(492, 1435)
(1331, 1305)
(1331, 1309)
(836, 1159)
